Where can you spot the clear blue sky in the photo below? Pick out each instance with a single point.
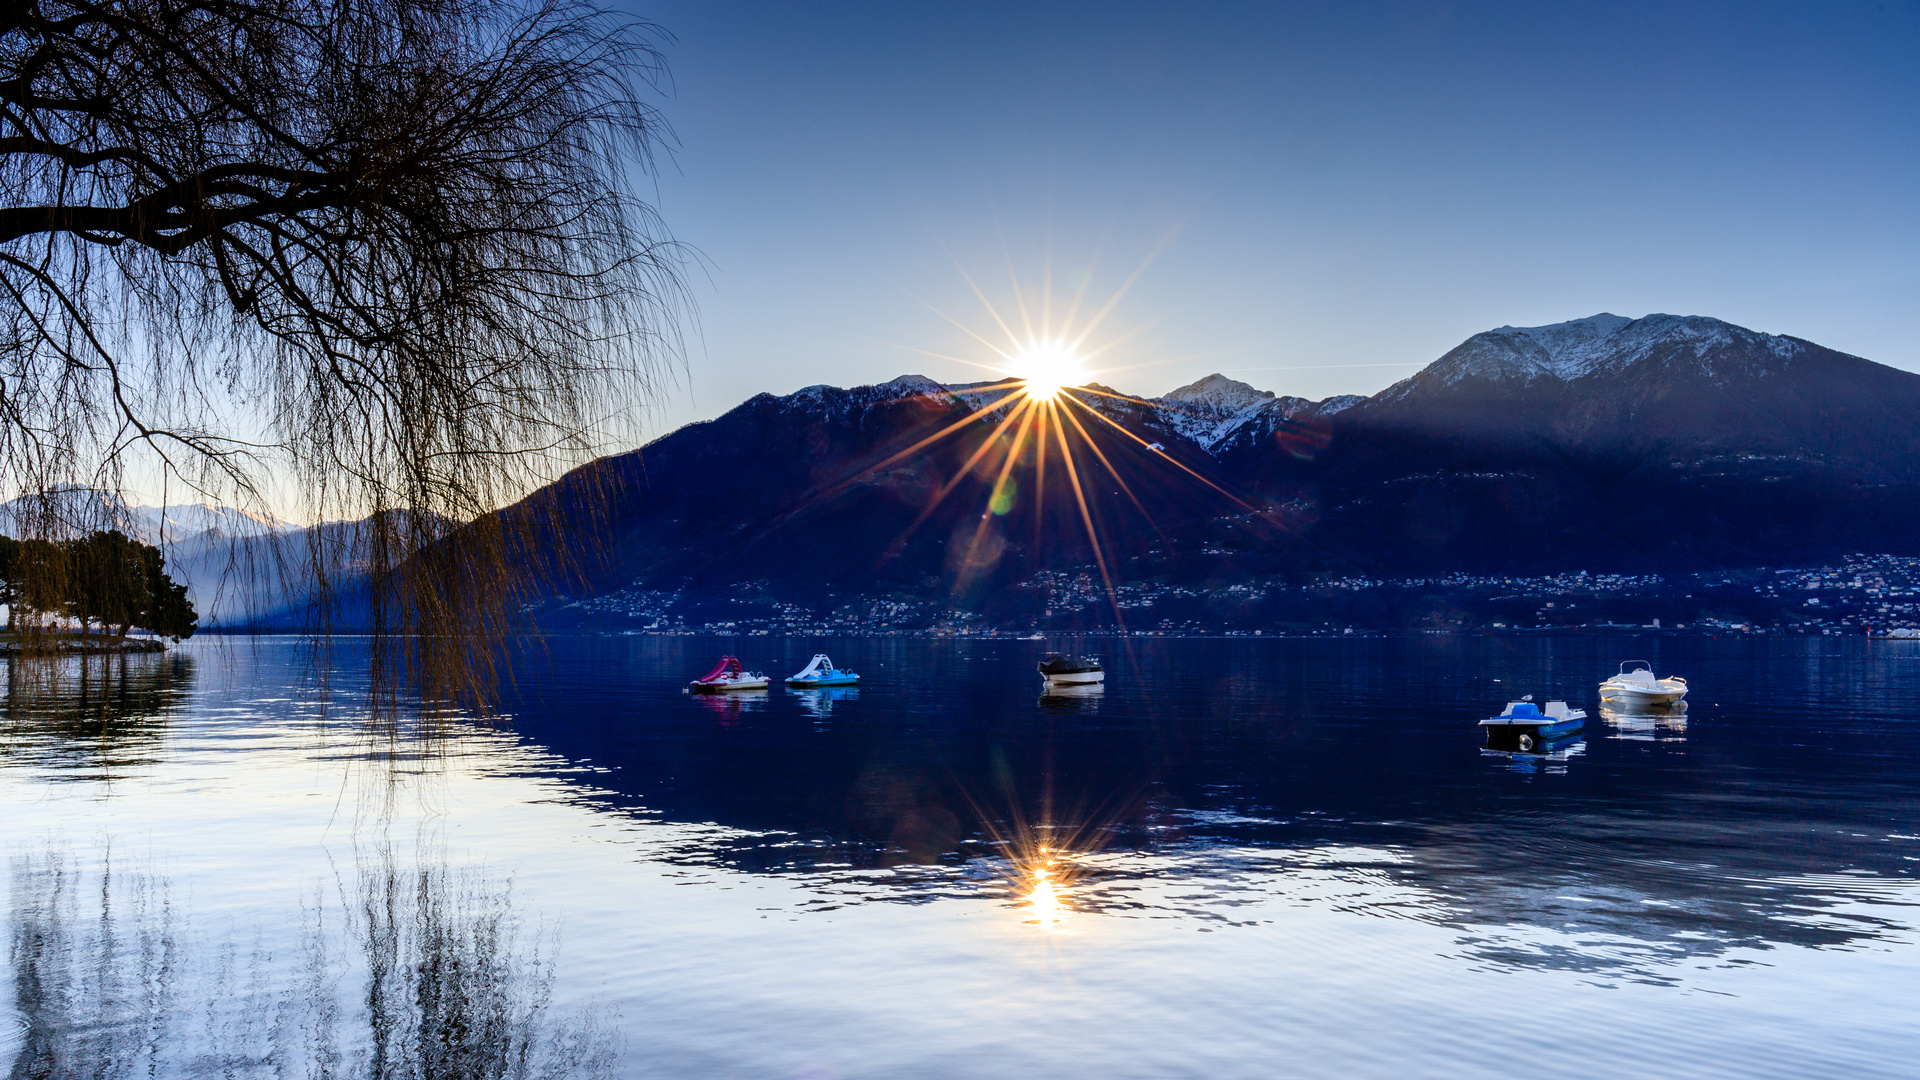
(1337, 193)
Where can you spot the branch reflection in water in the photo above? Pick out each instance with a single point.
(91, 717)
(405, 968)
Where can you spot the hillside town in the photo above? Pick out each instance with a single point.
(1861, 595)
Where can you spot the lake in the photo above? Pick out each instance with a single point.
(1242, 858)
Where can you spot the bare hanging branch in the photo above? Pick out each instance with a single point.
(391, 247)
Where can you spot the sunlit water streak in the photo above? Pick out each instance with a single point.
(1257, 858)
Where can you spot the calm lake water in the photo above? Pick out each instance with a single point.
(1242, 859)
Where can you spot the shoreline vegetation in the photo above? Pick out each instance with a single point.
(104, 579)
(63, 643)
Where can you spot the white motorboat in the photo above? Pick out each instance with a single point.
(1636, 685)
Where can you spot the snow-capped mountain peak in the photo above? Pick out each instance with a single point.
(1218, 393)
(1567, 344)
(1204, 410)
(1596, 345)
(76, 509)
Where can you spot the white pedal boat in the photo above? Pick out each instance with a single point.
(1636, 685)
(729, 675)
(822, 673)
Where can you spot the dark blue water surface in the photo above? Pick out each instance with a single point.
(1238, 858)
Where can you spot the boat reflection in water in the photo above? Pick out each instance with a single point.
(1079, 697)
(1646, 723)
(820, 702)
(730, 706)
(1550, 756)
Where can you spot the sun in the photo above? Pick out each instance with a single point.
(1047, 366)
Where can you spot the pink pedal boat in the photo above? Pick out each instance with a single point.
(729, 675)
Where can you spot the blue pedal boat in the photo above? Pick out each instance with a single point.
(1524, 725)
(822, 673)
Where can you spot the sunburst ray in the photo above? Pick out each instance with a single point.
(1034, 411)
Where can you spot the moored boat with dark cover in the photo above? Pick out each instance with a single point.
(1062, 670)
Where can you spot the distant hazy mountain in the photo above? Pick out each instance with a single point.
(240, 567)
(233, 562)
(76, 509)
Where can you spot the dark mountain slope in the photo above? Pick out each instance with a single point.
(1656, 445)
(1659, 443)
(797, 498)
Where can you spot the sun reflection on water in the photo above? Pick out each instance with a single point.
(1044, 899)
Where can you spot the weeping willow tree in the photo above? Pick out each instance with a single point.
(390, 255)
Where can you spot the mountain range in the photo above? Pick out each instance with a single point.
(1655, 446)
(1660, 445)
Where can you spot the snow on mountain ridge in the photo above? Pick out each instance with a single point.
(824, 396)
(1218, 413)
(1265, 420)
(1571, 347)
(977, 396)
(1208, 411)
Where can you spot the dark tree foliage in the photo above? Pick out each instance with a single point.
(106, 578)
(34, 577)
(107, 581)
(387, 250)
(166, 611)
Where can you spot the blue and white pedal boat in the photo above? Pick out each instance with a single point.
(1524, 725)
(822, 673)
